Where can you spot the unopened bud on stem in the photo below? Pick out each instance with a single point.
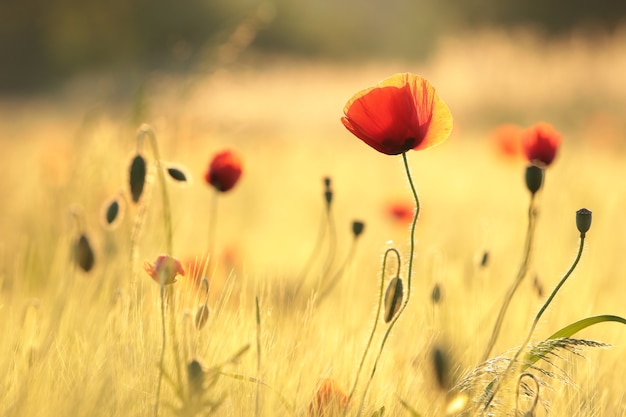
(583, 221)
(534, 178)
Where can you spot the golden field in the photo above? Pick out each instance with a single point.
(88, 344)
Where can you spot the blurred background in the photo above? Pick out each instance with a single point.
(45, 43)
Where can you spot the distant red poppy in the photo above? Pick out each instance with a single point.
(224, 171)
(401, 212)
(167, 265)
(400, 113)
(328, 400)
(507, 140)
(540, 144)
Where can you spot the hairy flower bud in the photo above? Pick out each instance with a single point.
(583, 221)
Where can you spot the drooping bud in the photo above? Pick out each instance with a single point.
(485, 259)
(437, 294)
(195, 377)
(112, 212)
(178, 174)
(83, 253)
(441, 365)
(534, 178)
(393, 298)
(583, 221)
(357, 228)
(137, 177)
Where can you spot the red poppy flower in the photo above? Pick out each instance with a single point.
(165, 267)
(507, 139)
(401, 212)
(328, 400)
(224, 171)
(401, 112)
(540, 144)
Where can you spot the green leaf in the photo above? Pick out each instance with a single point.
(568, 331)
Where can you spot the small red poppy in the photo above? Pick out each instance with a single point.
(401, 212)
(400, 113)
(507, 140)
(165, 267)
(540, 144)
(328, 400)
(224, 171)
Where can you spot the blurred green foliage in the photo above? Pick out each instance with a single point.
(43, 42)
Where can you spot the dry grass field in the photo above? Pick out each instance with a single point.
(89, 344)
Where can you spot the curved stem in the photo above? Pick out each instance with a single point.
(380, 303)
(145, 130)
(409, 275)
(534, 324)
(530, 232)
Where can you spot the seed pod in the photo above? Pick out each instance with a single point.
(84, 254)
(357, 228)
(583, 221)
(137, 178)
(202, 315)
(393, 298)
(534, 178)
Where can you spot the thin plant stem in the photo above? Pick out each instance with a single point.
(328, 287)
(534, 324)
(378, 309)
(258, 355)
(408, 279)
(522, 272)
(146, 130)
(316, 250)
(211, 235)
(332, 243)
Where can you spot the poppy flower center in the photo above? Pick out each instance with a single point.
(408, 143)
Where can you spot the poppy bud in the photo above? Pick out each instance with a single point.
(202, 315)
(485, 259)
(84, 254)
(441, 364)
(137, 178)
(393, 298)
(534, 178)
(357, 228)
(436, 294)
(224, 171)
(195, 377)
(112, 212)
(583, 221)
(328, 196)
(178, 174)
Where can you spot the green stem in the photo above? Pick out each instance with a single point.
(530, 232)
(408, 279)
(535, 321)
(378, 309)
(146, 130)
(210, 260)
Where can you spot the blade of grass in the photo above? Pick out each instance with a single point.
(568, 331)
